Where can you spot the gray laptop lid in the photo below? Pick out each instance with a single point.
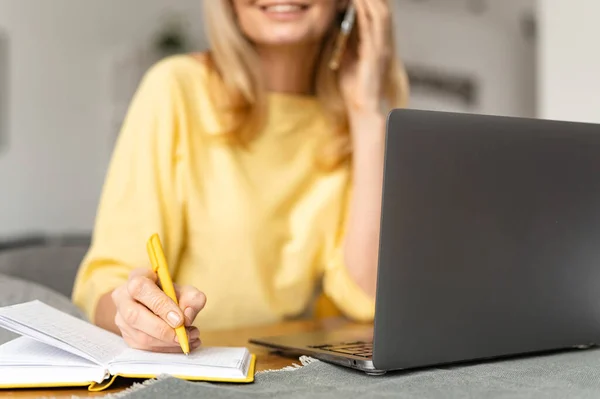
(490, 241)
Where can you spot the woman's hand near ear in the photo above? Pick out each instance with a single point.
(363, 75)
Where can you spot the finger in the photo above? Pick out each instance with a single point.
(141, 340)
(140, 318)
(363, 21)
(193, 334)
(143, 272)
(379, 14)
(380, 8)
(118, 294)
(145, 291)
(134, 342)
(192, 301)
(375, 21)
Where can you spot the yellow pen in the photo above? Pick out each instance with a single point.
(159, 266)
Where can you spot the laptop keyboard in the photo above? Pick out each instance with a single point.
(359, 348)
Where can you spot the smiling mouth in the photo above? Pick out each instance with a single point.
(284, 8)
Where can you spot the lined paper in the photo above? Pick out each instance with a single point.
(51, 326)
(207, 356)
(25, 351)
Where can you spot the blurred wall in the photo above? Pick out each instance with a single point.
(62, 116)
(52, 168)
(490, 46)
(569, 53)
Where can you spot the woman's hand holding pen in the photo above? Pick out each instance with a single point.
(147, 317)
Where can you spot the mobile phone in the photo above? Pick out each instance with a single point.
(342, 40)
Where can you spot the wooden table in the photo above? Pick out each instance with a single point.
(266, 359)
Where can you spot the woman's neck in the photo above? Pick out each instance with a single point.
(289, 69)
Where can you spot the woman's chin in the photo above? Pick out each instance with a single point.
(286, 38)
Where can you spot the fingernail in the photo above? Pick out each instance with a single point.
(189, 314)
(174, 319)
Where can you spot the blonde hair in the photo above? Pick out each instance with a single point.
(239, 91)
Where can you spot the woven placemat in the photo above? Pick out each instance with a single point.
(573, 374)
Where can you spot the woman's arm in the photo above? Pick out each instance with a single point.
(139, 198)
(142, 195)
(363, 85)
(361, 243)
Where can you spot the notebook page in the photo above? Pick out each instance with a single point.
(24, 361)
(205, 356)
(25, 351)
(19, 329)
(49, 325)
(208, 362)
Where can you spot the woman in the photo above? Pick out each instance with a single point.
(240, 160)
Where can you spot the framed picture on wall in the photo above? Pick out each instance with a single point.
(435, 89)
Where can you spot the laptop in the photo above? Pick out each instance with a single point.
(489, 245)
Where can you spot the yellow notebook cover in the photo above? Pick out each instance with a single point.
(63, 382)
(60, 350)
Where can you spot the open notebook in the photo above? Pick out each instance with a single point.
(60, 350)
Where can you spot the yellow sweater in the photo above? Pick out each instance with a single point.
(256, 230)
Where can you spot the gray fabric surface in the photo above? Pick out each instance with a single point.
(15, 290)
(53, 266)
(566, 375)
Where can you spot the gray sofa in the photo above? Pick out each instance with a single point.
(42, 269)
(52, 264)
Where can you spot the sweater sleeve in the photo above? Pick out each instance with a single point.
(142, 193)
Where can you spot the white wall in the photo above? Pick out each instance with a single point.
(61, 126)
(51, 175)
(569, 58)
(489, 47)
